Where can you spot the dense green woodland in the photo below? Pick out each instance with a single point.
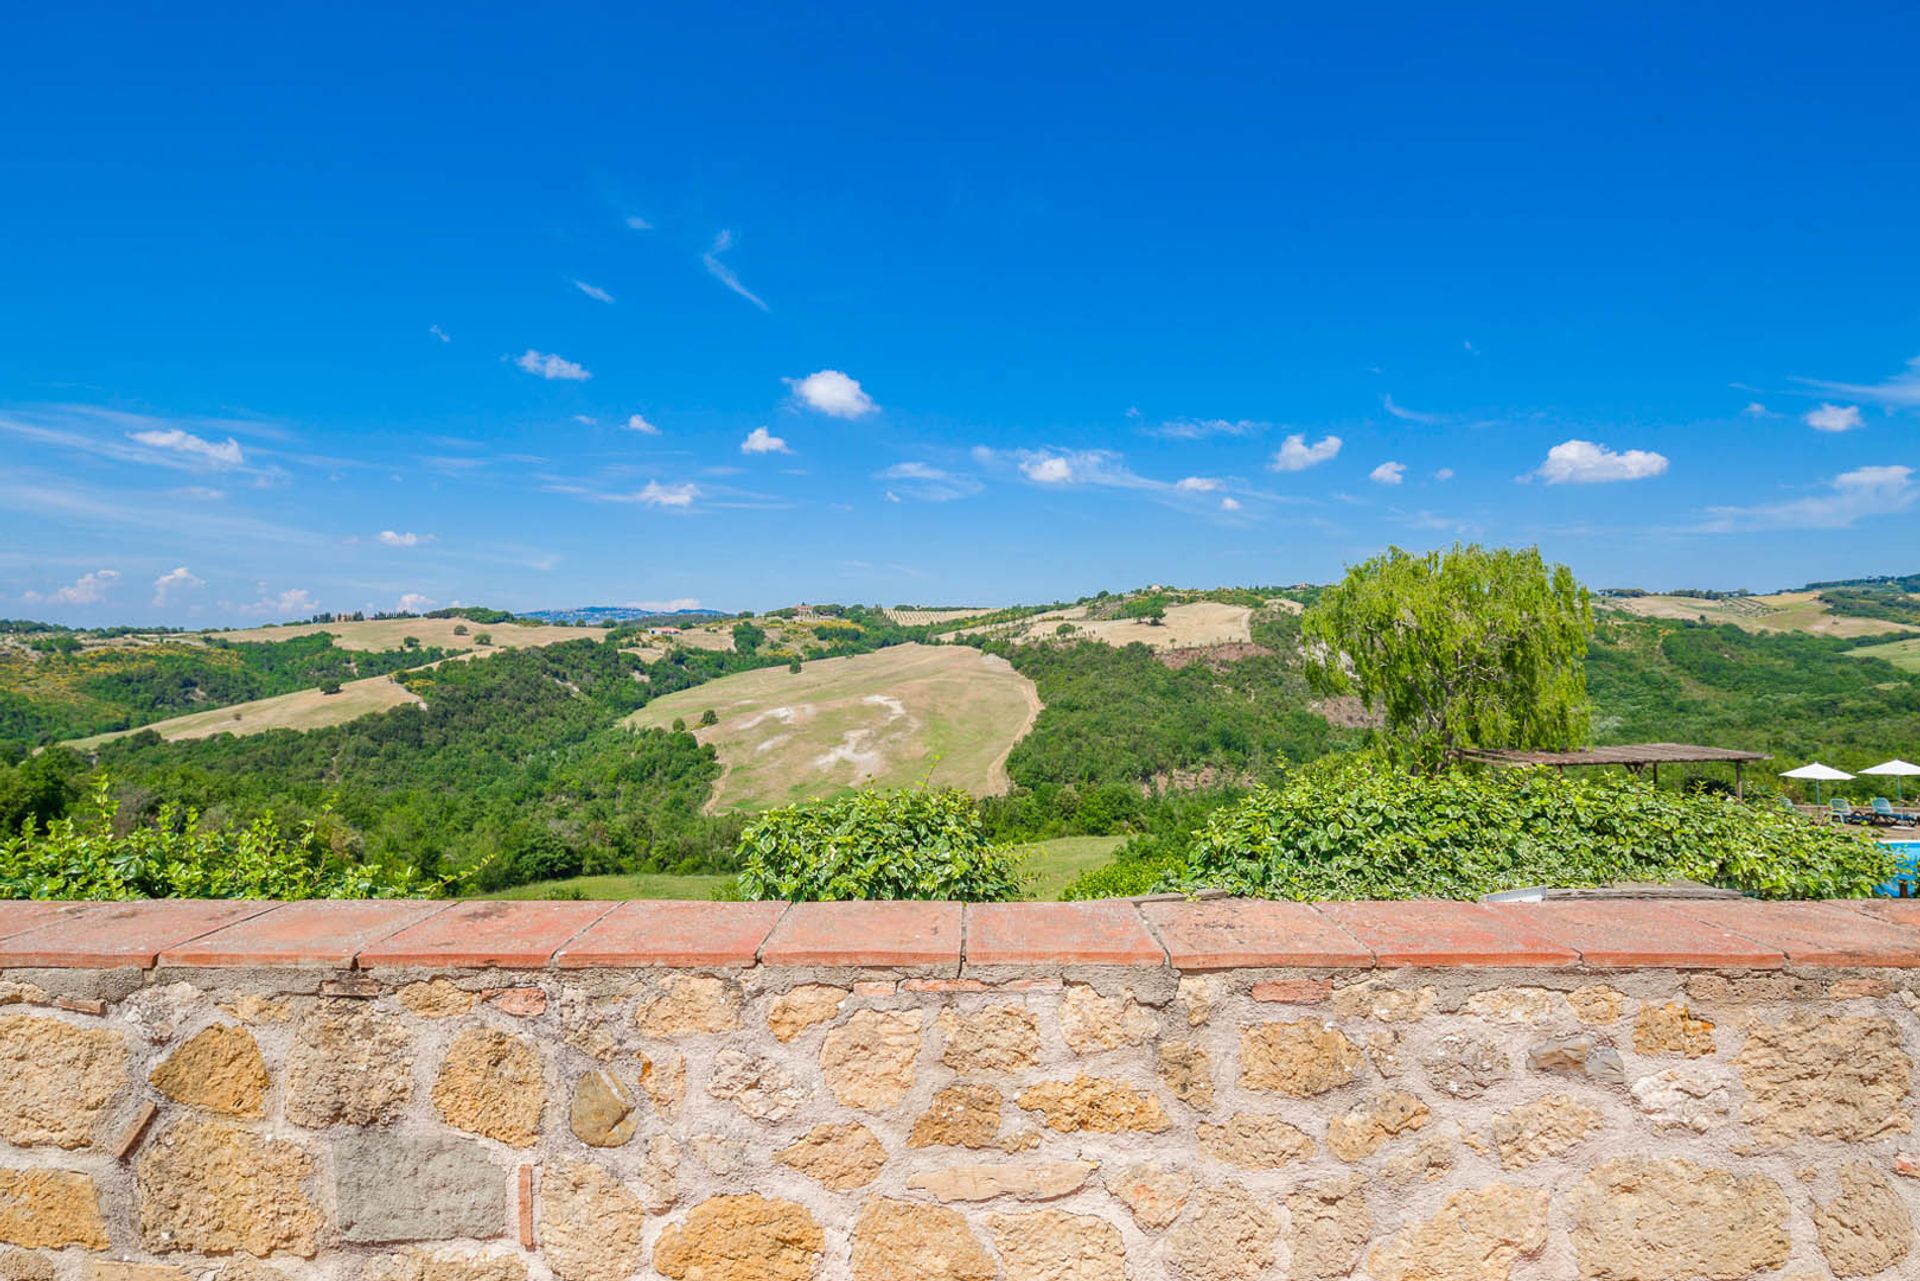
(517, 770)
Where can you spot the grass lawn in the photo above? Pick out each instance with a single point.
(1904, 654)
(1051, 864)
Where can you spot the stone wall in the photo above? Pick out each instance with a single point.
(711, 1092)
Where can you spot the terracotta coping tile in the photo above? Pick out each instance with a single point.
(1825, 934)
(1433, 933)
(905, 934)
(1900, 911)
(107, 935)
(668, 932)
(17, 916)
(1616, 934)
(1100, 933)
(510, 934)
(315, 932)
(1223, 934)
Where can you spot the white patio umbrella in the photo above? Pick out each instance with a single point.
(1896, 767)
(1818, 773)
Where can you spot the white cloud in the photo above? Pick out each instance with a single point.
(928, 483)
(1444, 474)
(636, 223)
(88, 589)
(1048, 469)
(594, 292)
(1202, 428)
(762, 441)
(439, 333)
(174, 580)
(415, 603)
(552, 368)
(1197, 484)
(724, 274)
(1297, 455)
(657, 495)
(639, 423)
(1755, 409)
(1388, 474)
(394, 539)
(1834, 418)
(1467, 346)
(199, 493)
(673, 606)
(832, 393)
(1902, 389)
(1229, 504)
(213, 453)
(295, 602)
(1412, 415)
(586, 420)
(1854, 495)
(1581, 462)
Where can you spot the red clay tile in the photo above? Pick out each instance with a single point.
(17, 916)
(666, 932)
(1224, 934)
(317, 932)
(106, 935)
(865, 934)
(513, 935)
(1102, 933)
(1817, 933)
(1433, 933)
(1615, 935)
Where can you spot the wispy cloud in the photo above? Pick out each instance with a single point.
(639, 423)
(551, 367)
(216, 454)
(1444, 474)
(88, 589)
(1198, 484)
(1297, 455)
(1582, 462)
(594, 292)
(1388, 473)
(1849, 497)
(1414, 415)
(1834, 418)
(1229, 504)
(762, 441)
(724, 274)
(636, 223)
(181, 579)
(393, 538)
(654, 494)
(439, 333)
(294, 602)
(928, 483)
(415, 603)
(1755, 409)
(1202, 428)
(1901, 390)
(832, 393)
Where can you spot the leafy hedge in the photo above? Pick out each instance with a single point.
(1351, 828)
(908, 844)
(178, 857)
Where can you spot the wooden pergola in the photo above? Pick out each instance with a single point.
(1633, 756)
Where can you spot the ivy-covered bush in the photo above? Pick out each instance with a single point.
(914, 843)
(1353, 828)
(176, 856)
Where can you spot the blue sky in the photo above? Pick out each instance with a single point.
(345, 306)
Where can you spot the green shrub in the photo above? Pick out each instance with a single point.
(177, 857)
(1352, 828)
(908, 844)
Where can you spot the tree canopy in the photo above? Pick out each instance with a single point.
(1465, 648)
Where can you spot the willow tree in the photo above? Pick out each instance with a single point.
(1461, 649)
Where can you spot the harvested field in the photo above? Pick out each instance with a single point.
(1191, 626)
(391, 633)
(932, 617)
(945, 714)
(1781, 612)
(301, 710)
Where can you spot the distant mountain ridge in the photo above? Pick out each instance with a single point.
(599, 615)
